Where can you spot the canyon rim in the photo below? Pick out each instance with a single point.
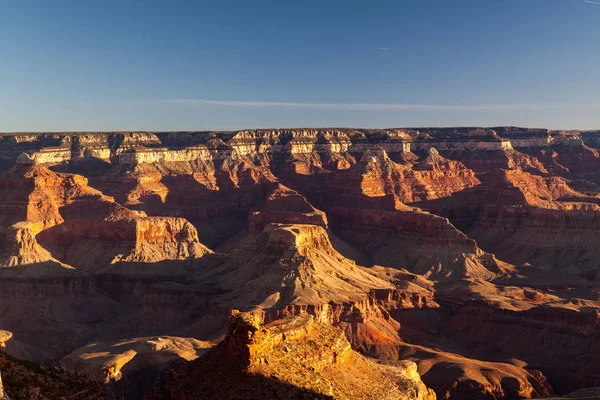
(457, 263)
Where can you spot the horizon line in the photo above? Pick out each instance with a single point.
(466, 126)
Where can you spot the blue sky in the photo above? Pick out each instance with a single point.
(178, 65)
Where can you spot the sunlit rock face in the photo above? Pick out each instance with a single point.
(292, 357)
(470, 252)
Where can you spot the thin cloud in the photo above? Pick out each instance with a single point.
(592, 2)
(384, 48)
(372, 106)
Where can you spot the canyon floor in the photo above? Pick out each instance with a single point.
(449, 263)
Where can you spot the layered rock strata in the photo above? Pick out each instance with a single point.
(397, 237)
(290, 358)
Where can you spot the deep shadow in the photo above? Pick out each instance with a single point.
(24, 380)
(218, 376)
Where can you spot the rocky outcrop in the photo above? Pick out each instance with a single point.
(4, 337)
(101, 246)
(290, 265)
(285, 206)
(130, 367)
(291, 270)
(396, 237)
(524, 218)
(364, 207)
(22, 248)
(106, 361)
(83, 227)
(290, 358)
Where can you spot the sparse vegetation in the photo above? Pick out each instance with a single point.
(24, 380)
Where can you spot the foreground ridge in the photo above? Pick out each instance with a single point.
(288, 359)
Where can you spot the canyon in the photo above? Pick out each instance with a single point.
(422, 263)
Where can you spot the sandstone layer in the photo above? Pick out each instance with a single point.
(469, 251)
(291, 358)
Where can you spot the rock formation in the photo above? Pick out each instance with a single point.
(4, 337)
(290, 358)
(106, 360)
(468, 251)
(290, 265)
(130, 367)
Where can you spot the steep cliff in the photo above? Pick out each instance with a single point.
(290, 265)
(417, 244)
(81, 226)
(291, 359)
(364, 207)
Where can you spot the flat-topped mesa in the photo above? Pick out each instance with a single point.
(83, 227)
(174, 238)
(525, 218)
(99, 245)
(250, 341)
(364, 206)
(290, 265)
(290, 240)
(32, 198)
(285, 206)
(294, 270)
(420, 242)
(547, 192)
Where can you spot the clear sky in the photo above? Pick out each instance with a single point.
(179, 65)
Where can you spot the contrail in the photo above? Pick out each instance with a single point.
(374, 106)
(592, 2)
